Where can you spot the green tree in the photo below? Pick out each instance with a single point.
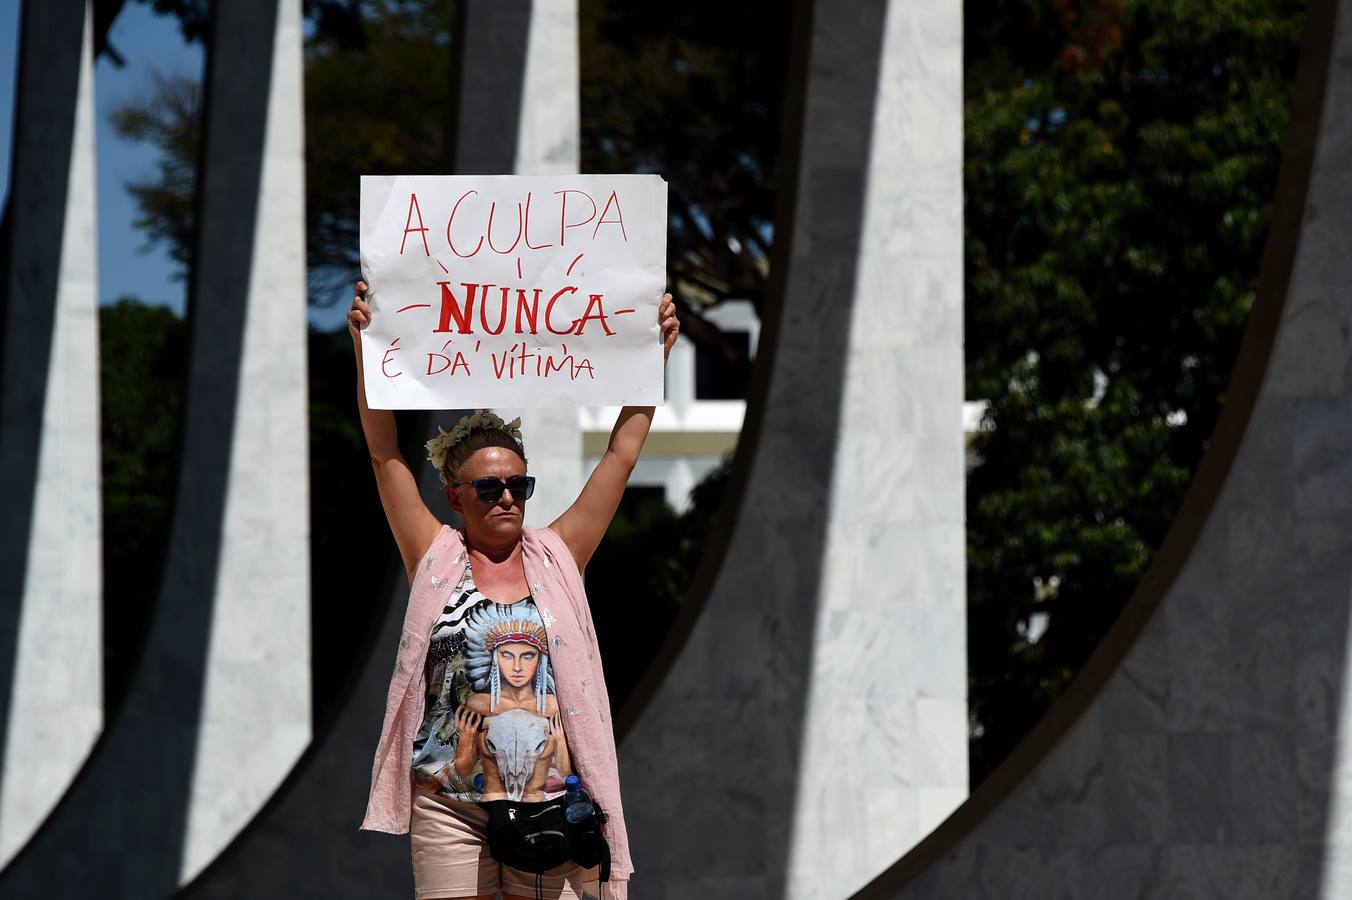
(1121, 160)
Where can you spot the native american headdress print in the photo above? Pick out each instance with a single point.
(492, 625)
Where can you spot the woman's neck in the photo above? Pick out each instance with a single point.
(495, 556)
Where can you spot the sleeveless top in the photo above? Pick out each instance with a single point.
(492, 729)
(559, 595)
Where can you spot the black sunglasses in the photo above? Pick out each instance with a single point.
(490, 489)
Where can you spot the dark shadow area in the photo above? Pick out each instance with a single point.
(119, 831)
(143, 362)
(641, 573)
(350, 546)
(695, 93)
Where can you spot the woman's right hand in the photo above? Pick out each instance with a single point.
(359, 314)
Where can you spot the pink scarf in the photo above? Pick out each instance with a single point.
(579, 683)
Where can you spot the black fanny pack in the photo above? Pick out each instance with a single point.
(535, 837)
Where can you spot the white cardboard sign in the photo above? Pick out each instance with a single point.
(513, 290)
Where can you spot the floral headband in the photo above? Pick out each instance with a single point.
(480, 420)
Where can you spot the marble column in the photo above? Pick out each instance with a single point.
(884, 743)
(52, 559)
(255, 718)
(1205, 749)
(815, 717)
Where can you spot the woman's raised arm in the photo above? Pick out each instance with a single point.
(584, 523)
(412, 523)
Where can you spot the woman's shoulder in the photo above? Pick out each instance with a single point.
(554, 546)
(446, 538)
(438, 560)
(544, 535)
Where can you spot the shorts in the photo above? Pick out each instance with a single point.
(450, 858)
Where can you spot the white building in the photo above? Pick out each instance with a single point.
(700, 422)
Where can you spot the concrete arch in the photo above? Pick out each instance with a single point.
(51, 672)
(231, 626)
(813, 715)
(1202, 750)
(967, 871)
(1043, 824)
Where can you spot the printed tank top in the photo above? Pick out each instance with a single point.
(492, 729)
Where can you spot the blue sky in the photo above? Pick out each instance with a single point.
(149, 43)
(9, 45)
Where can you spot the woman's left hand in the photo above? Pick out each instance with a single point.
(666, 314)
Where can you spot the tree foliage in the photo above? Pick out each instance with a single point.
(141, 370)
(334, 17)
(694, 92)
(1121, 162)
(362, 115)
(167, 116)
(378, 106)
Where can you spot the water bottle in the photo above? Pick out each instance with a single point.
(577, 803)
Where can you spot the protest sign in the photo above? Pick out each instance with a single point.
(507, 290)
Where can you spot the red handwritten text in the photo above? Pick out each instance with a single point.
(519, 361)
(497, 304)
(470, 227)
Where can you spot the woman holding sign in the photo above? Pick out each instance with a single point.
(497, 695)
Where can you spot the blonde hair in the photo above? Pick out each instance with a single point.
(450, 450)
